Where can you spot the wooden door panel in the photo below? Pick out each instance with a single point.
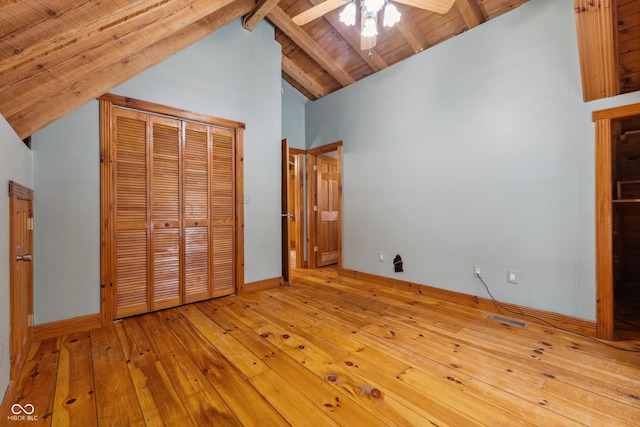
(21, 277)
(131, 166)
(166, 268)
(222, 209)
(196, 264)
(165, 196)
(196, 173)
(328, 213)
(131, 272)
(223, 283)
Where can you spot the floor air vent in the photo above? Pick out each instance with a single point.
(510, 321)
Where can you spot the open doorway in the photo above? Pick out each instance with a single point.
(625, 173)
(311, 207)
(324, 213)
(292, 209)
(618, 222)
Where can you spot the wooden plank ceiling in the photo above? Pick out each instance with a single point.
(56, 55)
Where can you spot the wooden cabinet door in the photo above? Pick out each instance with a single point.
(328, 193)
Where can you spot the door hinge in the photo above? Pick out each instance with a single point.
(315, 167)
(30, 320)
(315, 208)
(30, 224)
(315, 249)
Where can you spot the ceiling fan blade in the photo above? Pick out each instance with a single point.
(317, 11)
(437, 6)
(367, 43)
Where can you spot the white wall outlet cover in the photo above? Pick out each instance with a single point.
(381, 256)
(477, 270)
(512, 276)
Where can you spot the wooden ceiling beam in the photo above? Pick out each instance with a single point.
(85, 85)
(262, 9)
(374, 60)
(319, 9)
(303, 79)
(471, 12)
(596, 27)
(53, 24)
(280, 19)
(410, 31)
(29, 83)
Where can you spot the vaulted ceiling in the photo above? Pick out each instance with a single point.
(56, 55)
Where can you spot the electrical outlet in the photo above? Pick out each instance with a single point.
(476, 270)
(381, 256)
(512, 276)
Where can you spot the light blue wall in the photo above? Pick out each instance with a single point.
(293, 104)
(16, 164)
(477, 151)
(67, 216)
(232, 74)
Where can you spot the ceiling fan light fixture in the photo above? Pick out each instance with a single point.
(369, 29)
(391, 15)
(372, 6)
(348, 14)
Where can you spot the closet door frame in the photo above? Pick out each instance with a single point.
(108, 102)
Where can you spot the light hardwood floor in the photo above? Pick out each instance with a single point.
(328, 350)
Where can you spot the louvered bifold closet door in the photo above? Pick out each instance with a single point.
(197, 150)
(166, 211)
(130, 135)
(223, 211)
(174, 210)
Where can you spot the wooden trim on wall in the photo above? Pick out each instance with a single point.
(163, 110)
(340, 222)
(604, 230)
(107, 231)
(620, 112)
(67, 326)
(261, 285)
(239, 208)
(20, 191)
(570, 323)
(324, 149)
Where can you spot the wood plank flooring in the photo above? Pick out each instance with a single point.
(328, 351)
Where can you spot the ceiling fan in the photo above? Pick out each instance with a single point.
(369, 14)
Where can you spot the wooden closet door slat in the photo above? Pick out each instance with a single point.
(197, 264)
(165, 212)
(131, 166)
(131, 272)
(196, 212)
(165, 195)
(131, 213)
(166, 268)
(222, 173)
